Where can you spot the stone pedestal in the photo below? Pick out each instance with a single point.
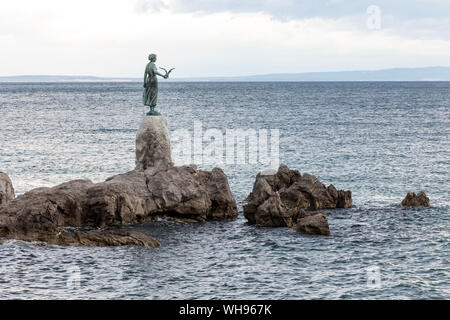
(153, 144)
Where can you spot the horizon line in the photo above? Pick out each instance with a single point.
(225, 76)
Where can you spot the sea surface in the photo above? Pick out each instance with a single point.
(378, 139)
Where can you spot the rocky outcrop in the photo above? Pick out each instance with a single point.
(6, 188)
(314, 223)
(154, 188)
(416, 200)
(279, 198)
(153, 144)
(183, 193)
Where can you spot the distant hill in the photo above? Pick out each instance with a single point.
(49, 78)
(396, 74)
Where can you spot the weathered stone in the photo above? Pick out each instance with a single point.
(344, 199)
(413, 200)
(45, 209)
(290, 193)
(120, 200)
(181, 193)
(261, 192)
(314, 223)
(272, 213)
(6, 188)
(223, 204)
(153, 144)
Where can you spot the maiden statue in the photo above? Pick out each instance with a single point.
(150, 95)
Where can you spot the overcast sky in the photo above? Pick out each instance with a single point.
(220, 37)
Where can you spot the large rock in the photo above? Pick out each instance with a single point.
(223, 204)
(153, 144)
(181, 193)
(45, 210)
(415, 200)
(154, 188)
(6, 188)
(314, 223)
(279, 198)
(177, 192)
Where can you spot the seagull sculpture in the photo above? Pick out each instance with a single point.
(167, 72)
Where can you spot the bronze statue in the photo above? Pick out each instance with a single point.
(150, 95)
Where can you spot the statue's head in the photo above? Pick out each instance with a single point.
(152, 57)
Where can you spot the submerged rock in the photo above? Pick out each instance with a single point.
(279, 198)
(99, 238)
(413, 200)
(314, 223)
(153, 144)
(6, 188)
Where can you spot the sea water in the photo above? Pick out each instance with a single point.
(378, 139)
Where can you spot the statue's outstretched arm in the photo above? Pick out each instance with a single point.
(161, 75)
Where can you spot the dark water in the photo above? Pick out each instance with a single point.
(379, 140)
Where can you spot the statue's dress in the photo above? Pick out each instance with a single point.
(151, 85)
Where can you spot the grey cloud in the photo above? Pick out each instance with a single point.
(293, 9)
(419, 19)
(149, 5)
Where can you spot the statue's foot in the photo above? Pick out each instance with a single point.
(153, 113)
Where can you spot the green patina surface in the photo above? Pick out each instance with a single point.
(150, 95)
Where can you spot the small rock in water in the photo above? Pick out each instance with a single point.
(314, 223)
(413, 200)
